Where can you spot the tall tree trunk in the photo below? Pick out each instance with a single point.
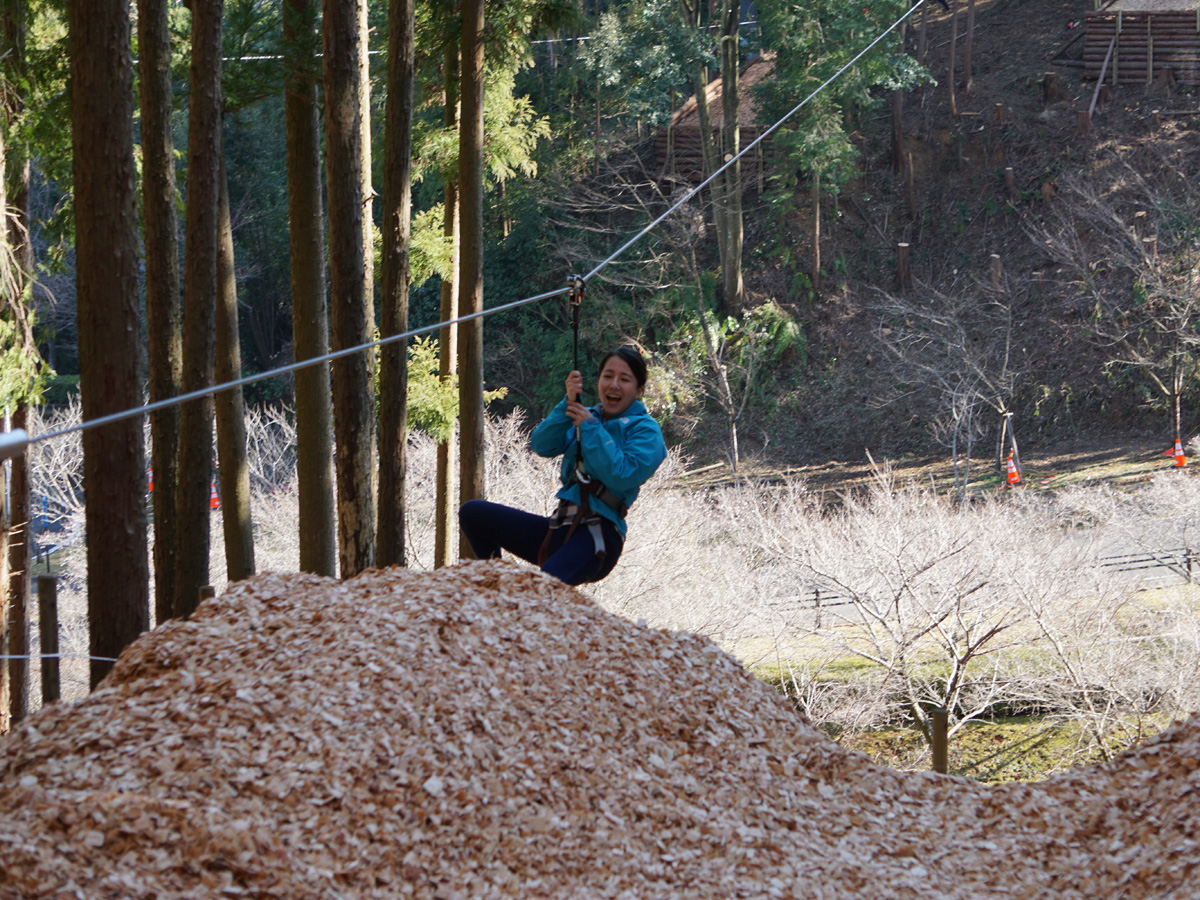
(18, 581)
(816, 233)
(731, 260)
(470, 186)
(107, 259)
(444, 550)
(14, 206)
(353, 407)
(712, 161)
(693, 15)
(368, 184)
(310, 310)
(397, 212)
(163, 312)
(199, 305)
(230, 407)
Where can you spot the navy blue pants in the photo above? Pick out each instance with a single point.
(491, 527)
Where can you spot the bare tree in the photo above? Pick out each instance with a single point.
(109, 327)
(958, 346)
(1137, 276)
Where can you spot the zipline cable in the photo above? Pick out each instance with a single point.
(283, 370)
(15, 442)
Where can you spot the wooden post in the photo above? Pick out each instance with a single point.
(1156, 116)
(1140, 218)
(940, 740)
(903, 267)
(1000, 113)
(1150, 247)
(1084, 125)
(953, 53)
(1010, 183)
(47, 588)
(1052, 90)
(969, 49)
(996, 271)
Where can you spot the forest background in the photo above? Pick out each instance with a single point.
(1031, 304)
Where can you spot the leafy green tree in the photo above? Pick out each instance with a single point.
(811, 43)
(641, 56)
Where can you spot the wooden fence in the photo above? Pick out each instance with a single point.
(1148, 46)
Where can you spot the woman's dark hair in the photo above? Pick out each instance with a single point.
(632, 358)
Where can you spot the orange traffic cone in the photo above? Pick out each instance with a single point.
(1180, 459)
(214, 502)
(1014, 477)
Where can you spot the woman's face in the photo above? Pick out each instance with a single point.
(617, 387)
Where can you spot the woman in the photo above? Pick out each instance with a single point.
(608, 451)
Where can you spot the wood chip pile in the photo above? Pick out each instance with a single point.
(485, 732)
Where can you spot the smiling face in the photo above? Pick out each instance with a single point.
(617, 387)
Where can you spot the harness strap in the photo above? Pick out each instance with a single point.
(577, 514)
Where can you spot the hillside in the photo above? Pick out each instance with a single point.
(849, 394)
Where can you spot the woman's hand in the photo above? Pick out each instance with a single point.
(576, 411)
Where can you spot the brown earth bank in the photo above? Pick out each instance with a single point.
(484, 731)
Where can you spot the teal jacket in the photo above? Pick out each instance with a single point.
(621, 453)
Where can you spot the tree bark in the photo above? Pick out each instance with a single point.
(310, 310)
(731, 260)
(14, 200)
(199, 306)
(163, 311)
(229, 405)
(17, 584)
(444, 550)
(353, 407)
(470, 185)
(397, 213)
(107, 259)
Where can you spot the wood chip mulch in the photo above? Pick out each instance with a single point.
(485, 732)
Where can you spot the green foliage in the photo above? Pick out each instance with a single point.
(639, 55)
(811, 43)
(432, 401)
(23, 374)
